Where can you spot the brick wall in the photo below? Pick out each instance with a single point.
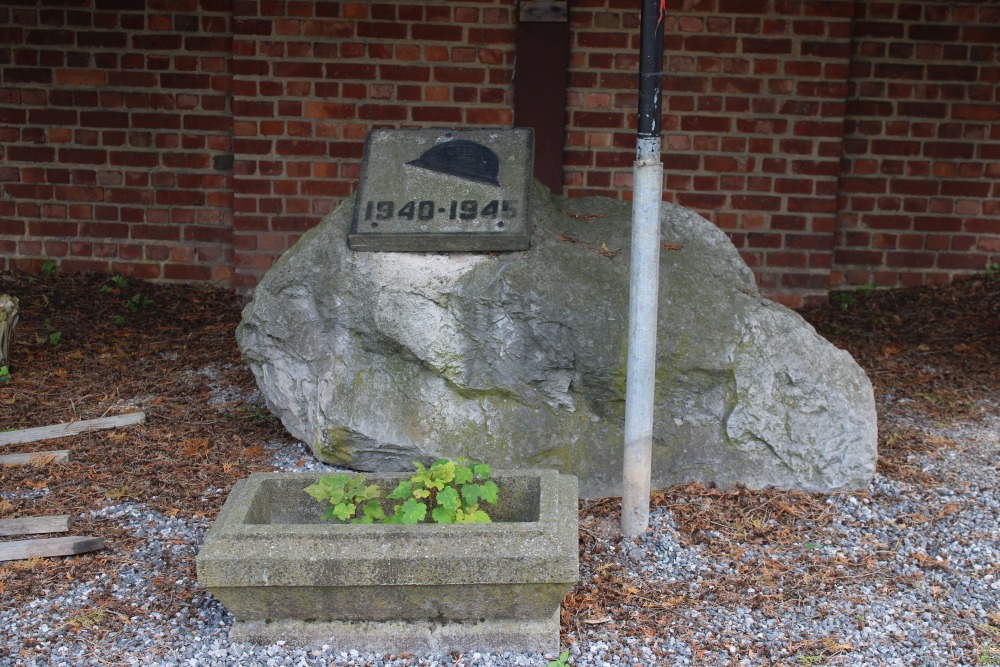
(311, 78)
(114, 126)
(753, 102)
(837, 142)
(920, 190)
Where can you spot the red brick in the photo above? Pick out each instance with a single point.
(381, 30)
(767, 45)
(983, 34)
(701, 201)
(437, 114)
(600, 119)
(962, 262)
(965, 189)
(705, 124)
(459, 74)
(710, 44)
(490, 117)
(602, 40)
(405, 73)
(350, 71)
(490, 36)
(186, 272)
(436, 32)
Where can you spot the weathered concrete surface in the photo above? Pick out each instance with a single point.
(287, 575)
(518, 359)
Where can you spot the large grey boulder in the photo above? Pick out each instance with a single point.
(518, 359)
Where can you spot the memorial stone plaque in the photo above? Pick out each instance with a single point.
(444, 190)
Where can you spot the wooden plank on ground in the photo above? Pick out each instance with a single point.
(34, 525)
(46, 547)
(72, 428)
(31, 458)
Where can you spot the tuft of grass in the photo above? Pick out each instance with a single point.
(988, 653)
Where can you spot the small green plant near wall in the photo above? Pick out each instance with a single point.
(138, 302)
(54, 336)
(113, 284)
(116, 285)
(847, 299)
(449, 491)
(4, 375)
(49, 268)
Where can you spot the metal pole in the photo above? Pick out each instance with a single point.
(644, 279)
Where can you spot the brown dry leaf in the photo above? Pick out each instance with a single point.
(35, 562)
(196, 447)
(671, 246)
(931, 562)
(597, 621)
(671, 602)
(41, 460)
(568, 238)
(605, 251)
(583, 216)
(123, 491)
(915, 518)
(939, 442)
(947, 510)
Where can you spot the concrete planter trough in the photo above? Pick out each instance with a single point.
(427, 588)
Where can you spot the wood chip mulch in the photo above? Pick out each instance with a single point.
(89, 346)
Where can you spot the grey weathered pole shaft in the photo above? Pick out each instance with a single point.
(644, 279)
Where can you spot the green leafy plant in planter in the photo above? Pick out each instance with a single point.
(449, 491)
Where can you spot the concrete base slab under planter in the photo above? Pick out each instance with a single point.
(432, 588)
(422, 637)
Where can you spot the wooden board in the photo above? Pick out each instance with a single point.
(33, 525)
(47, 547)
(72, 428)
(54, 456)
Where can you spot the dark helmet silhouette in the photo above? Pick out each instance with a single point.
(462, 158)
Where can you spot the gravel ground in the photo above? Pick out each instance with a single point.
(907, 573)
